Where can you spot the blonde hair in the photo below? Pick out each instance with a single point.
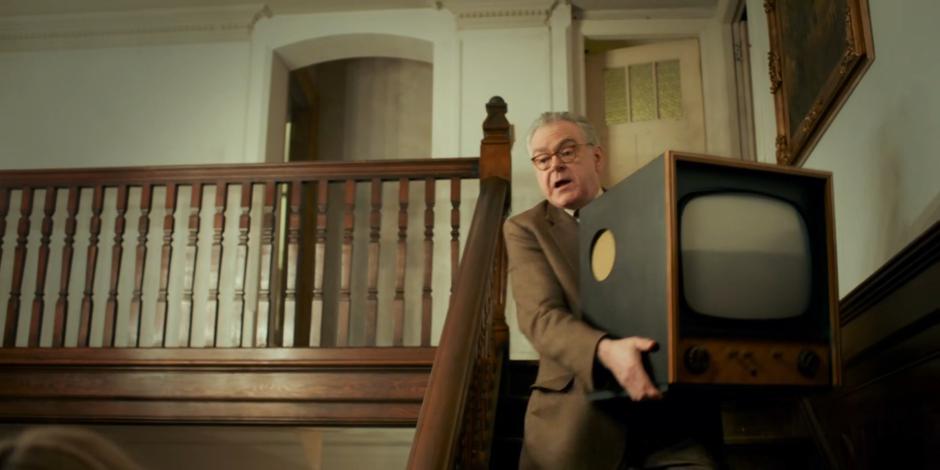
(65, 448)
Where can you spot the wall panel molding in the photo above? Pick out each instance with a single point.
(912, 260)
(130, 28)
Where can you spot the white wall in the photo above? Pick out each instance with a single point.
(882, 146)
(527, 67)
(171, 104)
(120, 106)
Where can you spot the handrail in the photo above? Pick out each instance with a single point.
(386, 170)
(439, 423)
(456, 413)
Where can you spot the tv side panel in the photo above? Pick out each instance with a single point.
(631, 301)
(834, 315)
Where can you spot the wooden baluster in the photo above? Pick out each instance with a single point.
(316, 310)
(345, 295)
(215, 266)
(263, 315)
(110, 313)
(91, 262)
(293, 252)
(498, 291)
(189, 270)
(19, 262)
(454, 234)
(35, 320)
(143, 227)
(241, 265)
(398, 305)
(429, 198)
(166, 254)
(68, 249)
(4, 207)
(19, 258)
(375, 221)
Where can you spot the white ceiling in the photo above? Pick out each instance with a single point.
(10, 8)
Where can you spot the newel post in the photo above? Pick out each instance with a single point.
(496, 160)
(496, 146)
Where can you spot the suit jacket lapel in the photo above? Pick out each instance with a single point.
(563, 230)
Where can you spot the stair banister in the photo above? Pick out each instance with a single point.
(465, 373)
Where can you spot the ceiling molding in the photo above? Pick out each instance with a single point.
(12, 8)
(475, 14)
(131, 28)
(647, 14)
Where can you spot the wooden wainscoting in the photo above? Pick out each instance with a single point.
(887, 414)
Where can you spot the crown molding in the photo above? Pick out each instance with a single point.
(475, 14)
(647, 14)
(130, 28)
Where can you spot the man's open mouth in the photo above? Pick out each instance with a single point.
(561, 183)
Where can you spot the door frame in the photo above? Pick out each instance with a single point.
(716, 54)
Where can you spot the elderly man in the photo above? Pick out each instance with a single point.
(563, 429)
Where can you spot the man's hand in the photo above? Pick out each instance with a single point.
(623, 357)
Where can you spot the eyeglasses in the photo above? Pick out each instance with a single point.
(567, 154)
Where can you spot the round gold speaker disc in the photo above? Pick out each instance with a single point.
(603, 253)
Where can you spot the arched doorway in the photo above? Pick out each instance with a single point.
(346, 98)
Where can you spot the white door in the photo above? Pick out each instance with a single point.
(645, 100)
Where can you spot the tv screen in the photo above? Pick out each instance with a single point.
(744, 256)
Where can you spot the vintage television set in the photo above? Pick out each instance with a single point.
(730, 266)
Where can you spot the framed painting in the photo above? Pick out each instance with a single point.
(819, 50)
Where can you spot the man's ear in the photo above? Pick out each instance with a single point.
(598, 158)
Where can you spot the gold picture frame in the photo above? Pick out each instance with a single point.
(819, 51)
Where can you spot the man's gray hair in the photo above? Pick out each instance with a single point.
(549, 117)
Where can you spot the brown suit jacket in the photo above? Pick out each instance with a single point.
(562, 429)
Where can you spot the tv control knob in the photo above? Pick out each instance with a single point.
(697, 359)
(808, 362)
